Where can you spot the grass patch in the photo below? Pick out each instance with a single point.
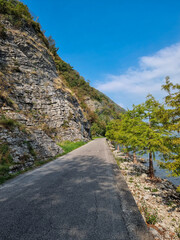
(151, 216)
(93, 138)
(5, 162)
(118, 163)
(131, 179)
(178, 231)
(154, 190)
(10, 124)
(68, 146)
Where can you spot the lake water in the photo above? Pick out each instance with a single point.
(163, 173)
(159, 172)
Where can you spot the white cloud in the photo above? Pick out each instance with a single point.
(149, 76)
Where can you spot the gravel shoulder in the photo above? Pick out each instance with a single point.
(157, 199)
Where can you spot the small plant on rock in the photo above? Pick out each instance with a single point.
(131, 179)
(154, 190)
(178, 231)
(2, 32)
(178, 189)
(150, 215)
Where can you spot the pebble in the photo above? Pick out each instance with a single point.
(158, 195)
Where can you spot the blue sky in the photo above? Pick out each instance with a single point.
(124, 47)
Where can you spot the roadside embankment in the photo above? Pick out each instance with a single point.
(157, 199)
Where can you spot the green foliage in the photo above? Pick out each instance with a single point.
(5, 90)
(8, 123)
(5, 161)
(52, 46)
(68, 146)
(5, 157)
(82, 89)
(31, 150)
(151, 216)
(152, 127)
(111, 130)
(65, 124)
(15, 10)
(141, 129)
(178, 231)
(19, 16)
(74, 80)
(172, 123)
(178, 189)
(98, 129)
(2, 32)
(154, 190)
(14, 7)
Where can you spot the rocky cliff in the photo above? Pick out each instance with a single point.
(43, 100)
(36, 109)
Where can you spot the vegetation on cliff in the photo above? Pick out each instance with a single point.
(82, 89)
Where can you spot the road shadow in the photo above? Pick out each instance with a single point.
(71, 198)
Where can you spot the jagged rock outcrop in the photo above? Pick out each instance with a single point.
(33, 94)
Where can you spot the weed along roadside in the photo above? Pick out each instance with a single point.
(6, 163)
(157, 199)
(68, 146)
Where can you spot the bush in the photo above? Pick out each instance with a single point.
(19, 16)
(5, 157)
(178, 189)
(8, 123)
(2, 32)
(11, 124)
(14, 7)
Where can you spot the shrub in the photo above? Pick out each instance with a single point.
(8, 123)
(154, 190)
(178, 189)
(178, 231)
(151, 216)
(5, 157)
(31, 150)
(2, 32)
(65, 124)
(19, 16)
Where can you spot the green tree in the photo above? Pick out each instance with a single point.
(172, 123)
(112, 128)
(52, 46)
(131, 128)
(153, 134)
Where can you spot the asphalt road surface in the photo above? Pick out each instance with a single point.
(81, 195)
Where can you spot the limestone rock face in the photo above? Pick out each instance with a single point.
(33, 94)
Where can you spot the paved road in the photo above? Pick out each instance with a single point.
(75, 197)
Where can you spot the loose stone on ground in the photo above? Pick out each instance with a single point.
(157, 199)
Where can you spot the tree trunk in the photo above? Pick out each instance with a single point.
(118, 147)
(134, 158)
(151, 169)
